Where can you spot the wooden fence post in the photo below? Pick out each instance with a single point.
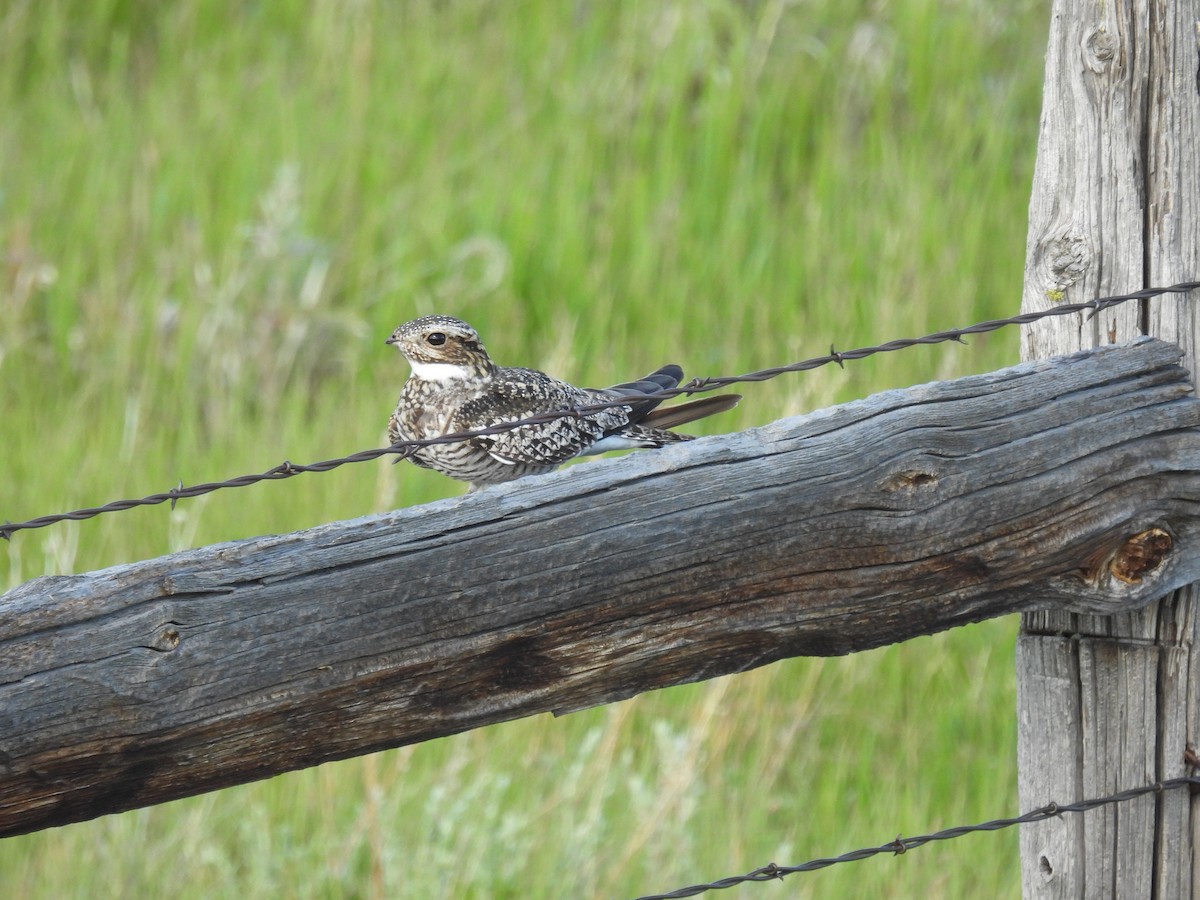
(1110, 702)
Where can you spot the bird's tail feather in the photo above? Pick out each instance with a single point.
(680, 414)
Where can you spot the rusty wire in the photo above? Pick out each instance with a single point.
(772, 872)
(403, 449)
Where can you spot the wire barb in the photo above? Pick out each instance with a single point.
(403, 449)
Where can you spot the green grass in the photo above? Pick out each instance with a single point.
(212, 214)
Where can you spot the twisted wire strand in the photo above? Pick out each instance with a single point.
(403, 449)
(771, 871)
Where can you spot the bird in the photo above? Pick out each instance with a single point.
(455, 386)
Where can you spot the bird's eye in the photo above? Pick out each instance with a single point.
(436, 339)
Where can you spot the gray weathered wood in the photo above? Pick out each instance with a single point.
(1110, 702)
(1072, 482)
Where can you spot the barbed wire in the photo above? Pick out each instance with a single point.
(772, 872)
(403, 449)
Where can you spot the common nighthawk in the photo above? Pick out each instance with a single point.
(455, 386)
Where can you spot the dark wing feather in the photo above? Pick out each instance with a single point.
(660, 380)
(646, 412)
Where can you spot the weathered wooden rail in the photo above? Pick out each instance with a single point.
(1071, 483)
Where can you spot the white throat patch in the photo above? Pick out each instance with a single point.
(440, 371)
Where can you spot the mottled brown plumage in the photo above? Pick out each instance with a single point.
(455, 386)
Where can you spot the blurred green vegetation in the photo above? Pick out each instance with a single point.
(213, 213)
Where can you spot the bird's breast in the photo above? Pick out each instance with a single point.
(427, 408)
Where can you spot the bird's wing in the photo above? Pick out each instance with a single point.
(520, 393)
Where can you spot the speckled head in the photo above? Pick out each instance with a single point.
(442, 348)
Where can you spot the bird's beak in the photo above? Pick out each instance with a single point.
(391, 339)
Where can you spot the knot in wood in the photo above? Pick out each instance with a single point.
(1140, 555)
(1067, 257)
(911, 480)
(165, 639)
(1100, 49)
